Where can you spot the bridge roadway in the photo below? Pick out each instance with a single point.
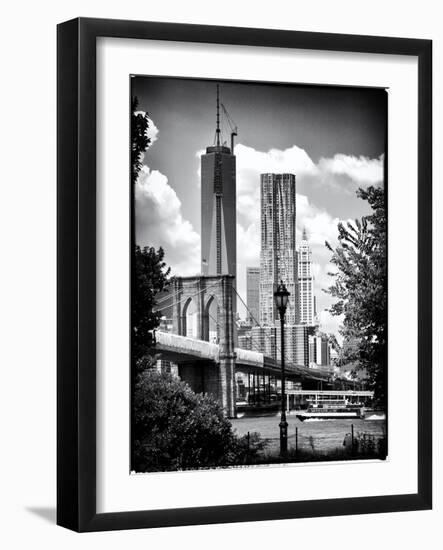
(183, 349)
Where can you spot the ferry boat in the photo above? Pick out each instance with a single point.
(329, 409)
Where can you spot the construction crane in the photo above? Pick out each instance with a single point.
(232, 126)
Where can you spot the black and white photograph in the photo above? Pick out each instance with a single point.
(221, 273)
(259, 274)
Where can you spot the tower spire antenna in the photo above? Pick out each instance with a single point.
(217, 131)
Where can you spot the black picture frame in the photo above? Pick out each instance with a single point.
(76, 265)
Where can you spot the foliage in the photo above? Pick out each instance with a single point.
(360, 288)
(367, 445)
(333, 342)
(248, 448)
(175, 428)
(151, 276)
(139, 138)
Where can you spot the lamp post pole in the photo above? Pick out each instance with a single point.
(283, 423)
(281, 296)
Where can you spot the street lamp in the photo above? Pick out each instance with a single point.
(281, 296)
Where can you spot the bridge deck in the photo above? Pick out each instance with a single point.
(177, 348)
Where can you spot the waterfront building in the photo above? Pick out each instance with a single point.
(267, 340)
(322, 350)
(253, 294)
(245, 341)
(278, 256)
(296, 344)
(264, 340)
(312, 344)
(306, 282)
(244, 335)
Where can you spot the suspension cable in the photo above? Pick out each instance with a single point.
(185, 298)
(290, 363)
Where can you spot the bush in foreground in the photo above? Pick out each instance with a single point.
(177, 429)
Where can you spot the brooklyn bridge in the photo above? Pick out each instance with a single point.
(211, 367)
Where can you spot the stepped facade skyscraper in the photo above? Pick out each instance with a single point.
(278, 256)
(218, 207)
(306, 282)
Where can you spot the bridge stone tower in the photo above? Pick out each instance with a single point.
(219, 380)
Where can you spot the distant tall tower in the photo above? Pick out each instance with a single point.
(218, 207)
(278, 256)
(253, 294)
(306, 282)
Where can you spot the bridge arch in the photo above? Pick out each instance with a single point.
(211, 319)
(207, 292)
(189, 318)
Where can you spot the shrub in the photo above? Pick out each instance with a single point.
(175, 428)
(248, 448)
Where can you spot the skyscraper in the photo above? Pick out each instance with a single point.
(296, 344)
(322, 351)
(218, 207)
(306, 282)
(278, 256)
(253, 294)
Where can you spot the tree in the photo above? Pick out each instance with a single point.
(150, 273)
(332, 340)
(139, 139)
(360, 287)
(150, 276)
(175, 428)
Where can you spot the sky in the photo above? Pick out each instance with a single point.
(331, 138)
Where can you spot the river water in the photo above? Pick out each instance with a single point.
(318, 435)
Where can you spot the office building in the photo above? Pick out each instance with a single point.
(306, 282)
(244, 334)
(218, 207)
(264, 340)
(253, 295)
(267, 340)
(312, 344)
(278, 256)
(296, 344)
(322, 350)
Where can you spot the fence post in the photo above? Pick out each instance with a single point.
(296, 442)
(352, 439)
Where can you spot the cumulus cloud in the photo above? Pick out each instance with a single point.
(151, 133)
(319, 224)
(361, 171)
(151, 130)
(291, 160)
(159, 222)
